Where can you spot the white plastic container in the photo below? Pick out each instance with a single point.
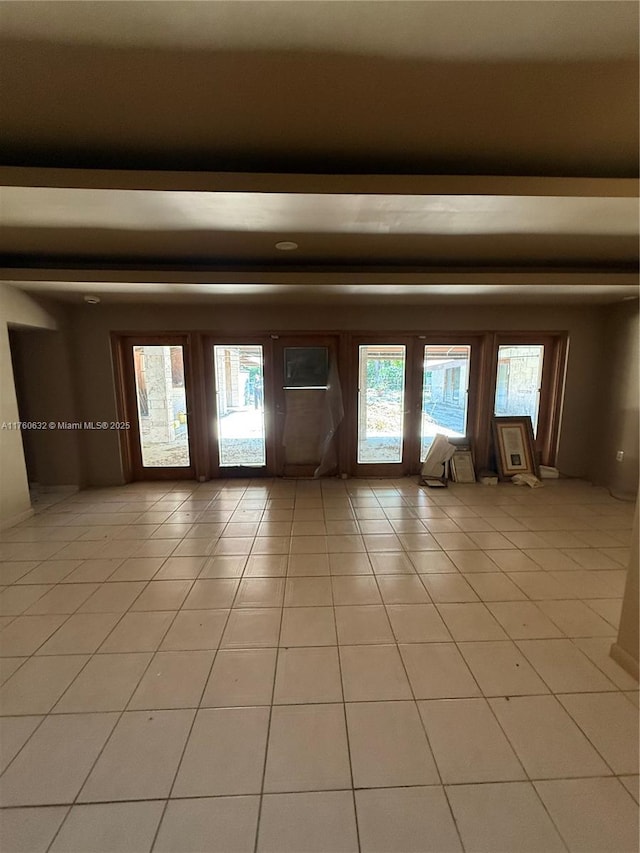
(548, 473)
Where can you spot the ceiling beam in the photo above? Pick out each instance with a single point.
(516, 185)
(325, 278)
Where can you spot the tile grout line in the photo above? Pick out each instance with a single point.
(514, 752)
(531, 781)
(120, 714)
(268, 732)
(49, 713)
(422, 724)
(484, 783)
(81, 786)
(344, 710)
(196, 711)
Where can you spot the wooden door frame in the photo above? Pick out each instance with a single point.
(127, 404)
(199, 388)
(209, 340)
(332, 340)
(383, 469)
(551, 385)
(475, 385)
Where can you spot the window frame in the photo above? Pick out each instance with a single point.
(551, 385)
(475, 343)
(481, 395)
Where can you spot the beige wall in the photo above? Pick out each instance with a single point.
(91, 325)
(16, 309)
(618, 410)
(602, 366)
(52, 455)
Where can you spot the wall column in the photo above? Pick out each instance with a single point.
(625, 650)
(16, 309)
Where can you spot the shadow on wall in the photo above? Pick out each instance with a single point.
(43, 381)
(16, 310)
(619, 402)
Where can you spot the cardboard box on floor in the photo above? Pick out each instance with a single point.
(435, 465)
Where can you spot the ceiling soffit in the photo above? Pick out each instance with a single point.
(234, 221)
(304, 112)
(433, 29)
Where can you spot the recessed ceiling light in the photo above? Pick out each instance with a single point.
(286, 245)
(92, 300)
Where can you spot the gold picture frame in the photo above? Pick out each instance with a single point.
(462, 470)
(515, 448)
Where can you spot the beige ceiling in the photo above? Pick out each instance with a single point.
(390, 113)
(445, 29)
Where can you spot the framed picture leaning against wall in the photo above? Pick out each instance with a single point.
(515, 449)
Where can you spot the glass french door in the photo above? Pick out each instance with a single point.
(519, 381)
(381, 396)
(446, 371)
(408, 391)
(238, 394)
(528, 376)
(384, 438)
(239, 380)
(158, 389)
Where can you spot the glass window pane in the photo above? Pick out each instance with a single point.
(162, 406)
(381, 403)
(445, 388)
(518, 381)
(306, 367)
(240, 405)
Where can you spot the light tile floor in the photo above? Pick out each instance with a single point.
(320, 666)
